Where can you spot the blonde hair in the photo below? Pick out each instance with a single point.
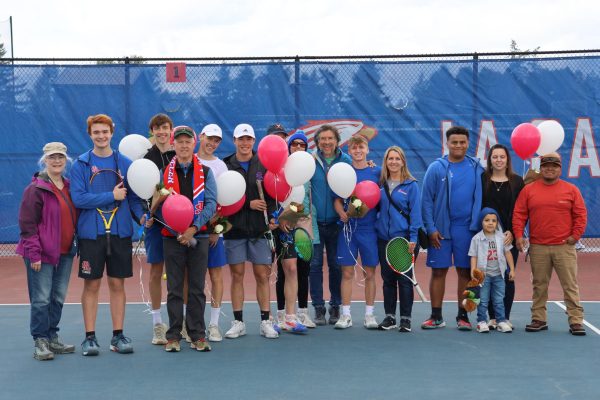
(404, 171)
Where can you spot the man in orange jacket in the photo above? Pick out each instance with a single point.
(557, 218)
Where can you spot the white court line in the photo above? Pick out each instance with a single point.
(592, 327)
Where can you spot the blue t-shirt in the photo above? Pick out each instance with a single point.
(462, 192)
(245, 165)
(368, 221)
(104, 183)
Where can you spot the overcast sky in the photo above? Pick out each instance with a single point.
(197, 28)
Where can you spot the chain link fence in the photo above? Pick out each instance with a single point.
(406, 100)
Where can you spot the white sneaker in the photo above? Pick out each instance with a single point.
(213, 333)
(280, 317)
(267, 330)
(184, 334)
(482, 327)
(509, 323)
(304, 318)
(344, 322)
(370, 322)
(238, 328)
(492, 324)
(160, 334)
(504, 327)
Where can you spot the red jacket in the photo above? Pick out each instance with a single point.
(555, 212)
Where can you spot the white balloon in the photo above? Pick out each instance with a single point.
(231, 186)
(296, 195)
(342, 179)
(143, 176)
(134, 146)
(299, 168)
(552, 134)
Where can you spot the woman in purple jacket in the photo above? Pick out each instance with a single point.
(47, 219)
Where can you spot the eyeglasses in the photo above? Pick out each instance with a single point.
(298, 144)
(56, 157)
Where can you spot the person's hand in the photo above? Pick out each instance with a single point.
(119, 192)
(285, 226)
(213, 239)
(435, 240)
(186, 236)
(36, 266)
(371, 163)
(570, 240)
(508, 238)
(473, 273)
(411, 247)
(258, 205)
(272, 225)
(149, 222)
(343, 217)
(511, 275)
(521, 244)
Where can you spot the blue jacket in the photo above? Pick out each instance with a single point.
(86, 202)
(322, 194)
(435, 197)
(390, 223)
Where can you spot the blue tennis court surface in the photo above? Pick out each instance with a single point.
(324, 364)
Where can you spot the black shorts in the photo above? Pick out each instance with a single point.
(284, 245)
(92, 258)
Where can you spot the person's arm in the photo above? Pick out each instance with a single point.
(473, 266)
(511, 265)
(210, 201)
(79, 192)
(520, 216)
(579, 215)
(338, 205)
(30, 215)
(430, 183)
(414, 204)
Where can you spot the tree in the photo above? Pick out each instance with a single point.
(133, 59)
(514, 48)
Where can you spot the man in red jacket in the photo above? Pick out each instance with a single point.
(557, 219)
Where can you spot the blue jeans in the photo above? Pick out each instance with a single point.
(47, 291)
(493, 286)
(328, 234)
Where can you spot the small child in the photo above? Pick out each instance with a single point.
(489, 254)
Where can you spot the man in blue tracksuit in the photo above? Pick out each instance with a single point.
(451, 202)
(327, 154)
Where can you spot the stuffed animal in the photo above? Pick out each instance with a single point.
(471, 294)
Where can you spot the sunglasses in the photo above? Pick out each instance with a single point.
(298, 144)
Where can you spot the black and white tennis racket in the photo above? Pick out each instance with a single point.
(401, 260)
(103, 181)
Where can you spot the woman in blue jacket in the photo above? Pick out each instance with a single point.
(402, 194)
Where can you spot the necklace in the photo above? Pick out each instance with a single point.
(498, 187)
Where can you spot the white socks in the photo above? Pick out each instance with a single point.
(369, 310)
(156, 318)
(345, 310)
(214, 315)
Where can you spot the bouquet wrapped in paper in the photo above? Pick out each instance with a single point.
(160, 195)
(292, 213)
(356, 208)
(219, 225)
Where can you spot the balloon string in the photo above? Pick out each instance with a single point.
(348, 230)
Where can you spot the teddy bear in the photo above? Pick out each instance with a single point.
(471, 293)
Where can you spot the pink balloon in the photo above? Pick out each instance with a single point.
(273, 153)
(178, 212)
(276, 185)
(525, 140)
(368, 192)
(226, 211)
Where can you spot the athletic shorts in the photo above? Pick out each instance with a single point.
(257, 251)
(153, 241)
(216, 255)
(93, 258)
(454, 251)
(284, 245)
(363, 243)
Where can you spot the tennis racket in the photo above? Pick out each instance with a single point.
(303, 244)
(103, 181)
(401, 260)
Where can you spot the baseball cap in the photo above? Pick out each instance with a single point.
(183, 130)
(551, 158)
(275, 129)
(212, 130)
(243, 130)
(55, 148)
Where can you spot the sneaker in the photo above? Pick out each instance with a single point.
(433, 324)
(577, 329)
(404, 325)
(370, 322)
(536, 325)
(160, 334)
(464, 324)
(200, 345)
(304, 318)
(213, 333)
(280, 317)
(293, 326)
(184, 334)
(238, 328)
(483, 327)
(320, 315)
(121, 344)
(334, 314)
(492, 324)
(58, 347)
(276, 325)
(344, 322)
(90, 346)
(388, 323)
(41, 350)
(173, 346)
(510, 324)
(504, 327)
(267, 330)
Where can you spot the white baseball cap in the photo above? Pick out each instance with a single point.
(243, 130)
(212, 130)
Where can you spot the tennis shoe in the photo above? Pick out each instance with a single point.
(504, 327)
(160, 334)
(214, 333)
(370, 322)
(173, 346)
(90, 346)
(41, 350)
(267, 330)
(463, 324)
(334, 314)
(404, 325)
(58, 347)
(293, 326)
(238, 328)
(388, 323)
(483, 327)
(320, 315)
(200, 345)
(184, 334)
(344, 322)
(433, 324)
(492, 324)
(121, 344)
(304, 318)
(280, 317)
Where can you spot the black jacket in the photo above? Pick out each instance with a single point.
(248, 223)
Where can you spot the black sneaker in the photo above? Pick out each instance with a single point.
(334, 314)
(404, 325)
(388, 323)
(320, 315)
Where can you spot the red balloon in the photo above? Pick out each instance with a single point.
(178, 212)
(226, 211)
(525, 140)
(276, 185)
(368, 192)
(272, 153)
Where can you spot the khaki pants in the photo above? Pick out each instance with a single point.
(563, 259)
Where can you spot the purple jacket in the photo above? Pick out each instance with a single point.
(39, 221)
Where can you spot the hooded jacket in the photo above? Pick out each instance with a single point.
(479, 244)
(322, 194)
(390, 223)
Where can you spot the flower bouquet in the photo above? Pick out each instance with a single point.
(292, 213)
(356, 208)
(220, 225)
(160, 194)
